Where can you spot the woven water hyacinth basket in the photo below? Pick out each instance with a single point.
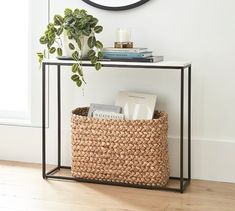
(120, 151)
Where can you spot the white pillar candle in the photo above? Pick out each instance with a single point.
(123, 35)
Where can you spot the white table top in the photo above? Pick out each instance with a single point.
(163, 64)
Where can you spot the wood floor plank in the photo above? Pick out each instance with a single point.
(23, 189)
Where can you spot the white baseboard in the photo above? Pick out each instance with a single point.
(211, 159)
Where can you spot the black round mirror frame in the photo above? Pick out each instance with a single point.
(127, 7)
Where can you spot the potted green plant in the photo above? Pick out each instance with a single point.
(78, 30)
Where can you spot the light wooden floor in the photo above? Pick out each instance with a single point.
(22, 188)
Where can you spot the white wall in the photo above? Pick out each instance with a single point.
(196, 30)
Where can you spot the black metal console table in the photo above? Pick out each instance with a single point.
(180, 66)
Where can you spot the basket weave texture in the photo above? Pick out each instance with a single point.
(120, 151)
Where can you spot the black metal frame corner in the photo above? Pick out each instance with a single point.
(184, 182)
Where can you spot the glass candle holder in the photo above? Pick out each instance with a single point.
(123, 35)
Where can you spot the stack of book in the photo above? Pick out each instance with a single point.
(130, 55)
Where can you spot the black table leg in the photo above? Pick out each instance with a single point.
(59, 114)
(182, 130)
(43, 120)
(189, 122)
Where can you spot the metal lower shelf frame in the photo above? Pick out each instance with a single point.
(184, 182)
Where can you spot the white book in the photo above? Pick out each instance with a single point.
(101, 107)
(107, 115)
(136, 106)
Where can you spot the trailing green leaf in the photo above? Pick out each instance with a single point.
(91, 54)
(78, 41)
(40, 54)
(93, 22)
(98, 66)
(86, 32)
(68, 20)
(93, 60)
(98, 44)
(59, 31)
(75, 77)
(80, 25)
(75, 68)
(68, 12)
(71, 46)
(76, 13)
(43, 40)
(52, 50)
(75, 56)
(59, 52)
(89, 18)
(83, 12)
(98, 29)
(79, 83)
(91, 41)
(100, 55)
(40, 57)
(50, 26)
(58, 20)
